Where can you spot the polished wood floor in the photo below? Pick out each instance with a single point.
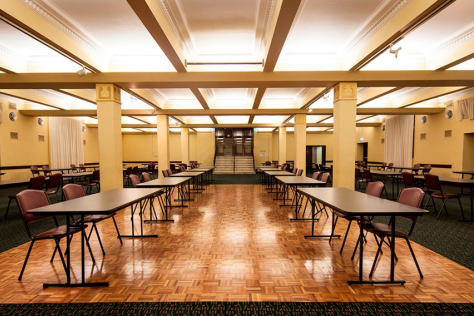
(234, 243)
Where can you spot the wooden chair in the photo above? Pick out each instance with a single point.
(74, 191)
(36, 183)
(31, 199)
(432, 183)
(412, 197)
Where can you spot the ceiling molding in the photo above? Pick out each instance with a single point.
(465, 35)
(264, 125)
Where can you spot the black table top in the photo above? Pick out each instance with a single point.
(451, 180)
(77, 174)
(198, 170)
(163, 182)
(279, 173)
(353, 203)
(100, 203)
(464, 172)
(187, 174)
(299, 180)
(386, 173)
(410, 168)
(57, 169)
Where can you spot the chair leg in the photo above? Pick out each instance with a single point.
(54, 253)
(26, 260)
(441, 209)
(94, 226)
(355, 248)
(118, 232)
(345, 237)
(8, 208)
(428, 201)
(376, 257)
(414, 258)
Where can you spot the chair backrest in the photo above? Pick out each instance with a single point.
(170, 173)
(73, 191)
(129, 171)
(315, 175)
(172, 166)
(417, 165)
(96, 175)
(300, 172)
(82, 167)
(324, 178)
(374, 188)
(411, 197)
(384, 164)
(427, 168)
(432, 181)
(45, 167)
(367, 174)
(149, 168)
(34, 170)
(134, 180)
(268, 163)
(194, 165)
(295, 170)
(165, 173)
(146, 176)
(357, 173)
(73, 167)
(36, 183)
(182, 167)
(55, 180)
(135, 170)
(28, 200)
(408, 179)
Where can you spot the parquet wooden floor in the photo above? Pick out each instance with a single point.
(234, 243)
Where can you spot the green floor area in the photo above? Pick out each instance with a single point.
(238, 308)
(236, 179)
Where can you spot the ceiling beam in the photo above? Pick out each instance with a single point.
(39, 28)
(152, 17)
(236, 112)
(81, 94)
(283, 17)
(256, 102)
(371, 124)
(201, 95)
(425, 95)
(451, 56)
(32, 96)
(280, 79)
(374, 93)
(407, 19)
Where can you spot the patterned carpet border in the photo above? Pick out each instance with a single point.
(237, 308)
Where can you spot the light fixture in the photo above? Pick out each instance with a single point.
(82, 72)
(326, 97)
(394, 51)
(153, 111)
(310, 110)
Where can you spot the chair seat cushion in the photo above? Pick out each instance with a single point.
(382, 229)
(445, 195)
(57, 232)
(50, 192)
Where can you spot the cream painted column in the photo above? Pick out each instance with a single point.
(162, 131)
(300, 142)
(109, 115)
(185, 145)
(281, 145)
(345, 104)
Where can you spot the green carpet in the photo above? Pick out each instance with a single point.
(237, 309)
(236, 179)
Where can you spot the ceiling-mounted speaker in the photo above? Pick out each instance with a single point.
(383, 127)
(423, 119)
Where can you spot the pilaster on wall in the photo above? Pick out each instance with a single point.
(281, 145)
(300, 142)
(162, 131)
(109, 116)
(345, 104)
(185, 145)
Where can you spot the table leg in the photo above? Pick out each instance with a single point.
(141, 224)
(313, 218)
(472, 213)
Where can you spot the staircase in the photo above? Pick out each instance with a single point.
(224, 165)
(244, 165)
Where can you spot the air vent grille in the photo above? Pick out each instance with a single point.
(13, 135)
(448, 133)
(84, 141)
(12, 106)
(423, 136)
(41, 138)
(383, 141)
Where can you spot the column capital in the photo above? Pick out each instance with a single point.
(107, 92)
(162, 120)
(184, 130)
(300, 119)
(282, 129)
(345, 91)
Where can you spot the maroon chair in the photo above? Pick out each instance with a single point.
(373, 189)
(34, 171)
(53, 185)
(36, 183)
(416, 166)
(146, 177)
(182, 167)
(268, 163)
(368, 176)
(359, 178)
(299, 172)
(75, 191)
(427, 169)
(315, 175)
(46, 170)
(432, 183)
(134, 180)
(294, 170)
(165, 173)
(31, 199)
(411, 197)
(135, 170)
(170, 173)
(73, 168)
(173, 168)
(126, 177)
(94, 183)
(324, 178)
(82, 167)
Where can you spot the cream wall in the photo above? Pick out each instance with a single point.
(438, 149)
(263, 143)
(91, 146)
(27, 149)
(373, 136)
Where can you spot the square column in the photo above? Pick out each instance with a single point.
(109, 116)
(162, 132)
(300, 142)
(345, 105)
(185, 145)
(281, 145)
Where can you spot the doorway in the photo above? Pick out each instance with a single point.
(362, 152)
(315, 155)
(468, 152)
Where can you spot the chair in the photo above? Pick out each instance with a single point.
(324, 178)
(135, 170)
(411, 197)
(126, 178)
(389, 167)
(432, 183)
(170, 173)
(31, 199)
(94, 183)
(428, 167)
(416, 166)
(268, 163)
(34, 171)
(53, 185)
(74, 191)
(299, 172)
(146, 177)
(173, 168)
(73, 168)
(359, 178)
(368, 176)
(315, 175)
(182, 167)
(46, 170)
(134, 180)
(165, 173)
(36, 183)
(294, 170)
(373, 189)
(82, 167)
